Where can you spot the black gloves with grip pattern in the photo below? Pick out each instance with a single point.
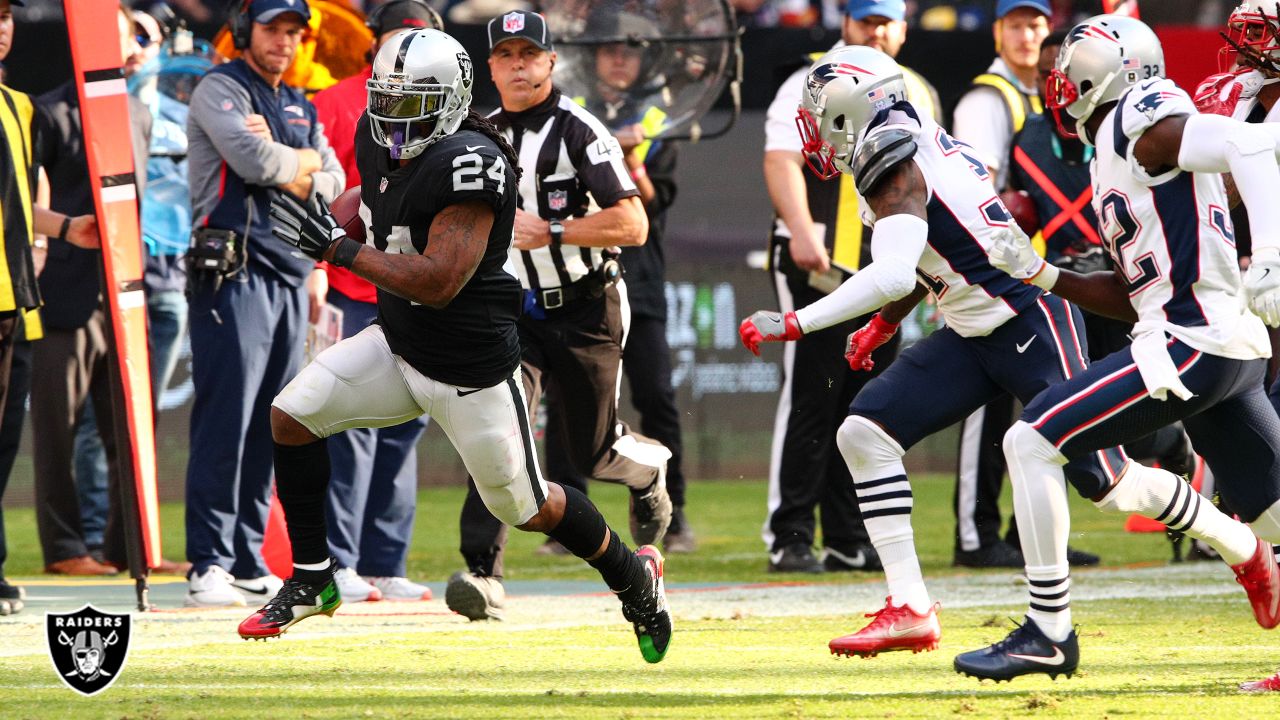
(313, 230)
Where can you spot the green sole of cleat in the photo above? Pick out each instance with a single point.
(650, 652)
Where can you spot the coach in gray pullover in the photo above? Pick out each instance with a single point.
(250, 137)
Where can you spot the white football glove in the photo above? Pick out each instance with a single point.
(1262, 286)
(1012, 253)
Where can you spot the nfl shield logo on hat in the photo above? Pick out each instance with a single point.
(512, 22)
(558, 199)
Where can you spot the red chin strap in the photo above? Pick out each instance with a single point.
(818, 153)
(1059, 92)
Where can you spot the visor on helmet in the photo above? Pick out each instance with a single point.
(401, 114)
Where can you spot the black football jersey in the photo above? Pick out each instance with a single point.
(472, 342)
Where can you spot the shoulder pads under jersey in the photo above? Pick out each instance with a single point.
(880, 153)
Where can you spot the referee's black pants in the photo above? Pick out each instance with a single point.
(646, 361)
(580, 346)
(806, 470)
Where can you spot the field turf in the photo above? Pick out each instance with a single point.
(1157, 640)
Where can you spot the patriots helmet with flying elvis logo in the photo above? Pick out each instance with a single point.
(842, 92)
(1101, 58)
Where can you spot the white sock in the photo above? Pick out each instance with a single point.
(884, 497)
(1166, 498)
(312, 566)
(888, 522)
(1050, 606)
(1267, 527)
(1044, 522)
(902, 573)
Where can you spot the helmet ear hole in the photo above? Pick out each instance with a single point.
(1085, 86)
(838, 122)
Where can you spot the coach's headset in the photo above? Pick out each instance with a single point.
(375, 16)
(239, 24)
(374, 19)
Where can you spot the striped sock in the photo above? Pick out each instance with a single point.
(1164, 497)
(886, 510)
(1050, 605)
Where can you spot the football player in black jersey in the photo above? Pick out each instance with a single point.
(438, 194)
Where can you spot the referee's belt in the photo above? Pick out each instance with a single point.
(588, 288)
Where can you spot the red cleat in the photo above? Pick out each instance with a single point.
(894, 628)
(1271, 684)
(1261, 580)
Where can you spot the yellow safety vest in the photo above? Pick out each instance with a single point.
(16, 114)
(1018, 104)
(653, 122)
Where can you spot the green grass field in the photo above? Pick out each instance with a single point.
(1156, 641)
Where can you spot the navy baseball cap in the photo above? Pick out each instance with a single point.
(861, 9)
(264, 11)
(524, 24)
(1004, 7)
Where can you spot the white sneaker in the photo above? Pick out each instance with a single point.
(213, 588)
(399, 588)
(353, 588)
(259, 589)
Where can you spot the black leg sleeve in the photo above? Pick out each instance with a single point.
(583, 529)
(302, 483)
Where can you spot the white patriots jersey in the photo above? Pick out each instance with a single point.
(1170, 235)
(963, 211)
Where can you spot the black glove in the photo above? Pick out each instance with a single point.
(312, 230)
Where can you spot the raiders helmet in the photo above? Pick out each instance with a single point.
(1101, 58)
(420, 91)
(1252, 39)
(843, 91)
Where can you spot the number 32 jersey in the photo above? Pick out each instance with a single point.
(1170, 234)
(472, 341)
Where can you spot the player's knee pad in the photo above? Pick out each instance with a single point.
(512, 508)
(508, 495)
(306, 397)
(1024, 441)
(868, 450)
(1267, 524)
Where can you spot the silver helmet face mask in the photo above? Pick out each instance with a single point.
(420, 91)
(842, 93)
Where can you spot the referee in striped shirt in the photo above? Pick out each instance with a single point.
(576, 201)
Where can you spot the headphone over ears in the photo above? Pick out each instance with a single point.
(239, 24)
(374, 18)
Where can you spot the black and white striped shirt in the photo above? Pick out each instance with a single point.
(572, 166)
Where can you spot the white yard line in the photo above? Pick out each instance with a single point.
(24, 634)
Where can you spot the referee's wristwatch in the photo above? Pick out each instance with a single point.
(557, 232)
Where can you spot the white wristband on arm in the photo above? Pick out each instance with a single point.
(1046, 278)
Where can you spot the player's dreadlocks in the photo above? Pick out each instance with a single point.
(479, 123)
